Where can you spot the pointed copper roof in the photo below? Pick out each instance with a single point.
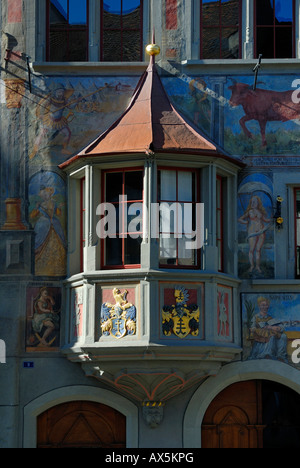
(150, 123)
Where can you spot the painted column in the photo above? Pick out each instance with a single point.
(13, 117)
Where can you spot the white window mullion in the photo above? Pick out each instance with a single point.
(248, 29)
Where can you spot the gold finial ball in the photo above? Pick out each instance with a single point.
(153, 49)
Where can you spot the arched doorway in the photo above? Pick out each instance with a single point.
(253, 414)
(81, 424)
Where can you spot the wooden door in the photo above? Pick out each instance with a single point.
(81, 424)
(234, 419)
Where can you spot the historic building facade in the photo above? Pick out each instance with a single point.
(149, 223)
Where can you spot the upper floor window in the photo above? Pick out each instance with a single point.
(275, 28)
(220, 29)
(297, 231)
(123, 191)
(120, 35)
(121, 30)
(67, 30)
(117, 227)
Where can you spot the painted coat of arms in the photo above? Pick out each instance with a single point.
(181, 319)
(119, 319)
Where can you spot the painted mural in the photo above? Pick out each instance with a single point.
(192, 98)
(245, 122)
(70, 112)
(264, 121)
(47, 213)
(256, 227)
(271, 322)
(43, 307)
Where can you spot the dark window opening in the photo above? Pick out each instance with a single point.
(275, 28)
(281, 416)
(220, 29)
(123, 190)
(67, 30)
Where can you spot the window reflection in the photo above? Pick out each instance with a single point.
(220, 29)
(68, 30)
(122, 30)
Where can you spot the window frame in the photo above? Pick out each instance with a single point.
(275, 27)
(196, 171)
(220, 235)
(102, 31)
(123, 266)
(67, 29)
(220, 28)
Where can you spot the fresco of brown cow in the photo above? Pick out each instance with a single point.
(263, 106)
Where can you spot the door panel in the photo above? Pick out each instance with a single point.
(233, 420)
(81, 425)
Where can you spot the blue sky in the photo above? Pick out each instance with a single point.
(77, 13)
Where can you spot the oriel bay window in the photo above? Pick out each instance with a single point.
(178, 218)
(178, 195)
(123, 192)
